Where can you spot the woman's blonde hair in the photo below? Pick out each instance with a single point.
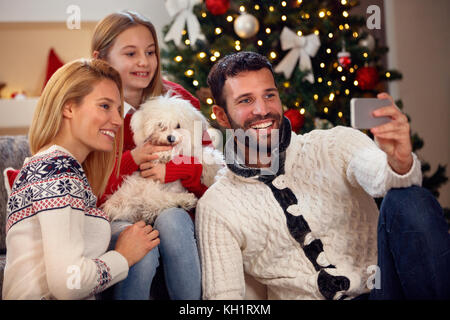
(107, 30)
(71, 83)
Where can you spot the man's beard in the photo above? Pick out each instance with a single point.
(260, 141)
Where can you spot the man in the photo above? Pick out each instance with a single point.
(307, 227)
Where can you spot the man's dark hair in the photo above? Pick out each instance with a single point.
(230, 66)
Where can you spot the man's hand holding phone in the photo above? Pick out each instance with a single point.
(392, 137)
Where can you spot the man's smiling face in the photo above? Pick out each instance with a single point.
(253, 105)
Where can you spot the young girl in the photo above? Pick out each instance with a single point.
(56, 238)
(128, 42)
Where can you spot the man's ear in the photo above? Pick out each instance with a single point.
(95, 54)
(68, 110)
(221, 116)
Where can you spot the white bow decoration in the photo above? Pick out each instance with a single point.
(302, 48)
(183, 10)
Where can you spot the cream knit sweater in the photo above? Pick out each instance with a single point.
(56, 236)
(333, 174)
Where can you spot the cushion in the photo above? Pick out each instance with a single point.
(2, 269)
(13, 151)
(10, 175)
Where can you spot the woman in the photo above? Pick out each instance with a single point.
(57, 237)
(129, 43)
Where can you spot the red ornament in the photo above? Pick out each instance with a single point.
(296, 118)
(217, 7)
(367, 78)
(344, 59)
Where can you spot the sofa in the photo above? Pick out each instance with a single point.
(13, 151)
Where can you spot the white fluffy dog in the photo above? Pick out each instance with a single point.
(164, 120)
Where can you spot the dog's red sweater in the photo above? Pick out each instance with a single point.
(188, 171)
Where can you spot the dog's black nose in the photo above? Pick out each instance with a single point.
(171, 138)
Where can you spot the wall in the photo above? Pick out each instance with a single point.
(29, 28)
(23, 60)
(417, 35)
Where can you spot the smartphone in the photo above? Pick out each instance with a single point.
(361, 112)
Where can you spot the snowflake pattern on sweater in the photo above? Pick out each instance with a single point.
(104, 276)
(52, 181)
(57, 238)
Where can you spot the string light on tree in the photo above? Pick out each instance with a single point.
(189, 72)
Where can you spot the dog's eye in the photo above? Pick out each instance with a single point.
(178, 126)
(160, 125)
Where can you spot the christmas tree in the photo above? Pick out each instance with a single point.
(322, 54)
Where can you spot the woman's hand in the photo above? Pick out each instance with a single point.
(135, 241)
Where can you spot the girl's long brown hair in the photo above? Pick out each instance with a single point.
(107, 30)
